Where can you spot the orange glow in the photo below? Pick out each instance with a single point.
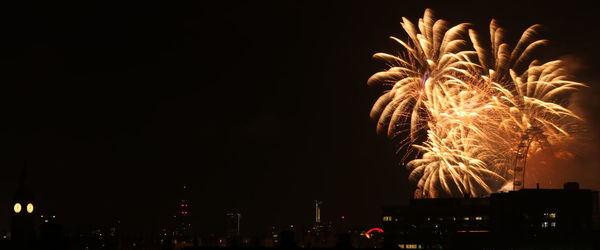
(467, 107)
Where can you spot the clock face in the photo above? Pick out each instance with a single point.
(29, 208)
(17, 207)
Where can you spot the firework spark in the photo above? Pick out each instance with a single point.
(475, 105)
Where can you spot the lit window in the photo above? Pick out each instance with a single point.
(387, 218)
(545, 224)
(552, 215)
(478, 218)
(553, 224)
(466, 218)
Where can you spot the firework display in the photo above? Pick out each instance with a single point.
(474, 111)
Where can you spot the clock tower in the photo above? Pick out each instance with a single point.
(23, 210)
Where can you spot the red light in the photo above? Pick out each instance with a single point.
(368, 233)
(184, 187)
(343, 217)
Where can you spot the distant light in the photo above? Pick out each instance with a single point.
(29, 208)
(343, 217)
(17, 207)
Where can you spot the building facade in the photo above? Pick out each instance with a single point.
(524, 218)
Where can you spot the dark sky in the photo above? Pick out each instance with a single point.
(258, 106)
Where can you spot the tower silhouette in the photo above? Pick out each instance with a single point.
(182, 223)
(23, 210)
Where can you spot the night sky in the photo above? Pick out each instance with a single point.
(260, 107)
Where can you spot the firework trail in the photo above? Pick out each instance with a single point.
(434, 54)
(474, 105)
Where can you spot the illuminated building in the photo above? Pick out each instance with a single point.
(524, 218)
(320, 233)
(318, 211)
(274, 237)
(546, 217)
(23, 209)
(317, 225)
(181, 229)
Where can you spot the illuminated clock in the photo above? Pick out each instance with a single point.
(17, 207)
(29, 208)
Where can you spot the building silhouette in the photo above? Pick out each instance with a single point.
(23, 215)
(51, 234)
(233, 224)
(178, 233)
(518, 219)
